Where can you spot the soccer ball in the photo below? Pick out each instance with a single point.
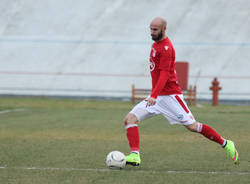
(116, 160)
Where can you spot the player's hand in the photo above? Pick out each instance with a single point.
(150, 101)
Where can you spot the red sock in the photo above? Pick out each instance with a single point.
(211, 134)
(133, 137)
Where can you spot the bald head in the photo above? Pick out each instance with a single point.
(158, 28)
(159, 21)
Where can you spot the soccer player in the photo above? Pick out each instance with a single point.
(166, 98)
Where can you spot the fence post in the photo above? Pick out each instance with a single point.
(133, 94)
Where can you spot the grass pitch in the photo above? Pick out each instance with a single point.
(66, 141)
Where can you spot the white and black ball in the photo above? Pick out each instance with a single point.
(116, 160)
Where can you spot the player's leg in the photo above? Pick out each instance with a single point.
(131, 126)
(137, 114)
(185, 117)
(133, 137)
(176, 110)
(212, 135)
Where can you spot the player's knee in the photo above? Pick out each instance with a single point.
(130, 119)
(192, 127)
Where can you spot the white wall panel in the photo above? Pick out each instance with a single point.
(100, 48)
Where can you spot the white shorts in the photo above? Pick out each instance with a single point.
(172, 107)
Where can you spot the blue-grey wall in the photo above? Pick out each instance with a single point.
(100, 48)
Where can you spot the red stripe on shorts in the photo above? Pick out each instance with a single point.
(181, 103)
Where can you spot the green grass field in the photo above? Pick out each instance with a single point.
(66, 141)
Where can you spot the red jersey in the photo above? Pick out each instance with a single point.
(162, 68)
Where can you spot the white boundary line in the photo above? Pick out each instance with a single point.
(139, 171)
(13, 110)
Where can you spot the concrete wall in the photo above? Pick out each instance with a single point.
(100, 48)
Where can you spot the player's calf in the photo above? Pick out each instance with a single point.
(207, 132)
(132, 132)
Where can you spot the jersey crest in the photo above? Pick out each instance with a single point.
(152, 65)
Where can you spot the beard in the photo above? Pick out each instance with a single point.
(157, 37)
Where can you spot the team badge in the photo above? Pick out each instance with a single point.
(152, 66)
(180, 116)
